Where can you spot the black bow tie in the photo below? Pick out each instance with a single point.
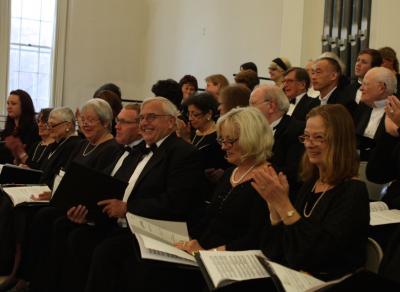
(145, 149)
(293, 101)
(128, 149)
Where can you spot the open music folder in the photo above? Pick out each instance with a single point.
(85, 186)
(12, 174)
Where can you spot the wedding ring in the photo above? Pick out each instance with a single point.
(391, 111)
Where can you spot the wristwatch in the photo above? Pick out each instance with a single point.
(290, 213)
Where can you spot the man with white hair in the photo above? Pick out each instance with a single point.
(377, 85)
(287, 149)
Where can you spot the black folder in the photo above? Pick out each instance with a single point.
(12, 174)
(85, 186)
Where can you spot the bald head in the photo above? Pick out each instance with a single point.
(378, 84)
(270, 100)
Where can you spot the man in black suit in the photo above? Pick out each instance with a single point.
(287, 149)
(378, 84)
(167, 184)
(366, 59)
(325, 78)
(295, 85)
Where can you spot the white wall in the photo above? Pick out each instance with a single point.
(385, 23)
(135, 43)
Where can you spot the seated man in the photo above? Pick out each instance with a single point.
(166, 184)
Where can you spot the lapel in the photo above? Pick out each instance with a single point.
(381, 127)
(281, 127)
(157, 157)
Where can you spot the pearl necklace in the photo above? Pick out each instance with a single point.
(316, 202)
(235, 182)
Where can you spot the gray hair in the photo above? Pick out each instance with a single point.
(254, 134)
(64, 114)
(168, 107)
(332, 55)
(384, 75)
(275, 93)
(102, 109)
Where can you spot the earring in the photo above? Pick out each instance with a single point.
(67, 130)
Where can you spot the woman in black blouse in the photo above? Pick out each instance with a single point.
(20, 129)
(37, 153)
(234, 219)
(325, 231)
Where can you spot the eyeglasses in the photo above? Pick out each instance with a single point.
(227, 142)
(196, 115)
(259, 103)
(50, 126)
(89, 122)
(151, 117)
(125, 122)
(316, 140)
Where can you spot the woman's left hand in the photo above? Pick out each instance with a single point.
(273, 187)
(190, 246)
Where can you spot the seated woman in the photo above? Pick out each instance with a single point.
(36, 154)
(215, 83)
(97, 152)
(20, 129)
(202, 108)
(99, 149)
(189, 86)
(234, 219)
(325, 231)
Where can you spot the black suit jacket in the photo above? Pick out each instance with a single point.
(171, 184)
(339, 97)
(365, 144)
(305, 104)
(287, 149)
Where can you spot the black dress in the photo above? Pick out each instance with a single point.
(330, 238)
(213, 155)
(37, 154)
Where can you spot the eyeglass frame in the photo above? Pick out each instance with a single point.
(227, 142)
(151, 117)
(49, 127)
(314, 140)
(125, 122)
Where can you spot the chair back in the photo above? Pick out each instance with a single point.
(374, 256)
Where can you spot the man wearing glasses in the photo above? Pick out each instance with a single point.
(166, 184)
(287, 150)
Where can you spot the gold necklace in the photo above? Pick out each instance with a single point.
(316, 202)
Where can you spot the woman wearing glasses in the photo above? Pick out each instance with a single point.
(325, 231)
(236, 215)
(99, 149)
(202, 109)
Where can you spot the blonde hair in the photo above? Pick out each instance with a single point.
(254, 134)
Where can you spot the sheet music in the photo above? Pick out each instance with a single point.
(20, 195)
(294, 281)
(156, 250)
(384, 217)
(378, 206)
(166, 231)
(226, 266)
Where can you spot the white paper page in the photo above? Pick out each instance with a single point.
(57, 181)
(384, 217)
(154, 254)
(294, 281)
(377, 206)
(23, 194)
(166, 231)
(237, 265)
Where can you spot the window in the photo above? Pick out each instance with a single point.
(31, 48)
